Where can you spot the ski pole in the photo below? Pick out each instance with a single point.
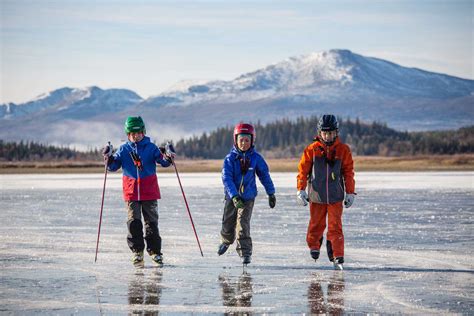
(170, 148)
(101, 208)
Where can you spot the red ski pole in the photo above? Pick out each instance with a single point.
(184, 197)
(101, 208)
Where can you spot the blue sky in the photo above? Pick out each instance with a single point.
(148, 46)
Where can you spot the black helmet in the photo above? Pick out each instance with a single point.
(328, 122)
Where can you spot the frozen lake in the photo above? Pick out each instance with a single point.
(409, 249)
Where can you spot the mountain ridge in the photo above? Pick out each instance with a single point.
(335, 81)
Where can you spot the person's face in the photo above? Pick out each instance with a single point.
(243, 142)
(328, 136)
(135, 137)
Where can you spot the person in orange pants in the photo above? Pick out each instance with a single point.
(327, 166)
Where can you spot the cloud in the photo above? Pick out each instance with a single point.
(185, 15)
(90, 135)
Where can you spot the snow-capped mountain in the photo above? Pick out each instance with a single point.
(73, 103)
(321, 75)
(335, 81)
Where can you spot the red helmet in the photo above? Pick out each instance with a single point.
(243, 128)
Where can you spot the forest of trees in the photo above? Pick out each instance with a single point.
(287, 139)
(31, 151)
(280, 139)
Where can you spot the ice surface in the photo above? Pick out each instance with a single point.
(409, 249)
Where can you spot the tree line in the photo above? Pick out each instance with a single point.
(33, 151)
(280, 139)
(288, 138)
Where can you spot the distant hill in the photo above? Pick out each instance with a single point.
(336, 81)
(69, 103)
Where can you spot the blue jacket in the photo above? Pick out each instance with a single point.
(139, 185)
(235, 183)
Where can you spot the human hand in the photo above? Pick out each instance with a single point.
(349, 199)
(107, 150)
(302, 197)
(238, 202)
(272, 200)
(170, 150)
(107, 153)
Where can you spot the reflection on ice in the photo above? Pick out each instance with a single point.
(237, 293)
(409, 249)
(144, 291)
(333, 302)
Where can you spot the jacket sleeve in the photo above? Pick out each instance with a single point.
(228, 177)
(304, 168)
(117, 163)
(348, 170)
(263, 174)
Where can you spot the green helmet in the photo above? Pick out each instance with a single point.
(134, 124)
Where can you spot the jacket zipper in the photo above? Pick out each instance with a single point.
(138, 184)
(327, 183)
(138, 176)
(241, 187)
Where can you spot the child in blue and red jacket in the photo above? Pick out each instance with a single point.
(138, 158)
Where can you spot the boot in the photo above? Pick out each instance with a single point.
(246, 259)
(338, 261)
(222, 249)
(137, 257)
(314, 254)
(158, 259)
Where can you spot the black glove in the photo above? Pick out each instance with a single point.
(107, 150)
(238, 202)
(272, 200)
(107, 153)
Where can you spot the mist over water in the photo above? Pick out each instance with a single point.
(409, 249)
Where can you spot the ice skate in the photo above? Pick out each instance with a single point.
(246, 260)
(137, 258)
(158, 259)
(314, 254)
(338, 263)
(222, 249)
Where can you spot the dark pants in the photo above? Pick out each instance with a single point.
(135, 240)
(236, 223)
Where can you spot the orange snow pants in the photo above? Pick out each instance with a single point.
(317, 225)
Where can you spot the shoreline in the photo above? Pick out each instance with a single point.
(361, 163)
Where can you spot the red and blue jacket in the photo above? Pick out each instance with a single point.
(238, 174)
(139, 185)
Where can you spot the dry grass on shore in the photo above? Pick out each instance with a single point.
(362, 163)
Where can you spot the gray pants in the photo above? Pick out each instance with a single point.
(236, 223)
(135, 241)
